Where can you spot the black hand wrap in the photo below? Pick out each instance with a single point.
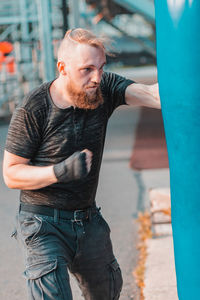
(72, 168)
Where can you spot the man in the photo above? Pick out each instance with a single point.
(53, 155)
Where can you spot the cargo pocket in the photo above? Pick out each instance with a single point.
(42, 280)
(115, 280)
(31, 227)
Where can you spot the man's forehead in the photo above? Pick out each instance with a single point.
(90, 55)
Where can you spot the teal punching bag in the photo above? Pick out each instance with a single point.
(178, 61)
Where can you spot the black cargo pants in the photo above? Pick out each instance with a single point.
(53, 245)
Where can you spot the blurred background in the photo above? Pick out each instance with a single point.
(135, 156)
(30, 33)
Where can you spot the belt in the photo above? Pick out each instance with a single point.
(76, 215)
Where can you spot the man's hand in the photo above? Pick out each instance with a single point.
(75, 167)
(143, 95)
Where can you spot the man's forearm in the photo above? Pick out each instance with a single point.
(26, 177)
(18, 174)
(143, 95)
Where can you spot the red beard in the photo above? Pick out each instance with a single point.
(83, 100)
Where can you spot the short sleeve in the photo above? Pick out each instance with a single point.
(23, 136)
(113, 88)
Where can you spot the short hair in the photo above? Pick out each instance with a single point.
(83, 36)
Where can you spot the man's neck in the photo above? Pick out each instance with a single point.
(59, 95)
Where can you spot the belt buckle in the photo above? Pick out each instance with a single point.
(75, 215)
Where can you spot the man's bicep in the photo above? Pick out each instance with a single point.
(130, 97)
(23, 134)
(11, 159)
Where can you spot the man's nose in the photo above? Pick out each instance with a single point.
(96, 76)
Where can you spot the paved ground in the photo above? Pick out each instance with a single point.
(117, 195)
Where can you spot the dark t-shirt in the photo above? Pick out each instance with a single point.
(46, 134)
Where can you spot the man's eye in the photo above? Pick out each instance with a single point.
(87, 69)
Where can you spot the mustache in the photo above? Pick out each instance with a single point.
(92, 86)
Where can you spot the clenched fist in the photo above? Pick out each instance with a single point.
(75, 167)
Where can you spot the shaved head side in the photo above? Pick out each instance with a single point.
(65, 49)
(76, 36)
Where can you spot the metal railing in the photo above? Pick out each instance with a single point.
(26, 25)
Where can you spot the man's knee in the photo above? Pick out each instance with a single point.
(101, 282)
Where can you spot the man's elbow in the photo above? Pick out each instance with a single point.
(11, 184)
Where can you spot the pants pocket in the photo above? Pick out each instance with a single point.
(31, 227)
(42, 282)
(40, 269)
(116, 281)
(48, 280)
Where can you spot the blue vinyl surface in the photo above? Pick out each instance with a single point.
(178, 60)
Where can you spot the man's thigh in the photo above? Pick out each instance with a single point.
(94, 266)
(47, 256)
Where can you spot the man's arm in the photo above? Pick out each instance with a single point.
(137, 94)
(18, 174)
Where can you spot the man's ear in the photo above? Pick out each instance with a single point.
(61, 67)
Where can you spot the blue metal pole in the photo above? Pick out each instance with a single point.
(74, 16)
(45, 28)
(25, 49)
(178, 59)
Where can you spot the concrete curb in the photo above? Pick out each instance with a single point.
(160, 277)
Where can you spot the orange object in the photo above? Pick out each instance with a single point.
(6, 48)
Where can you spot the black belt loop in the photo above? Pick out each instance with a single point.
(56, 215)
